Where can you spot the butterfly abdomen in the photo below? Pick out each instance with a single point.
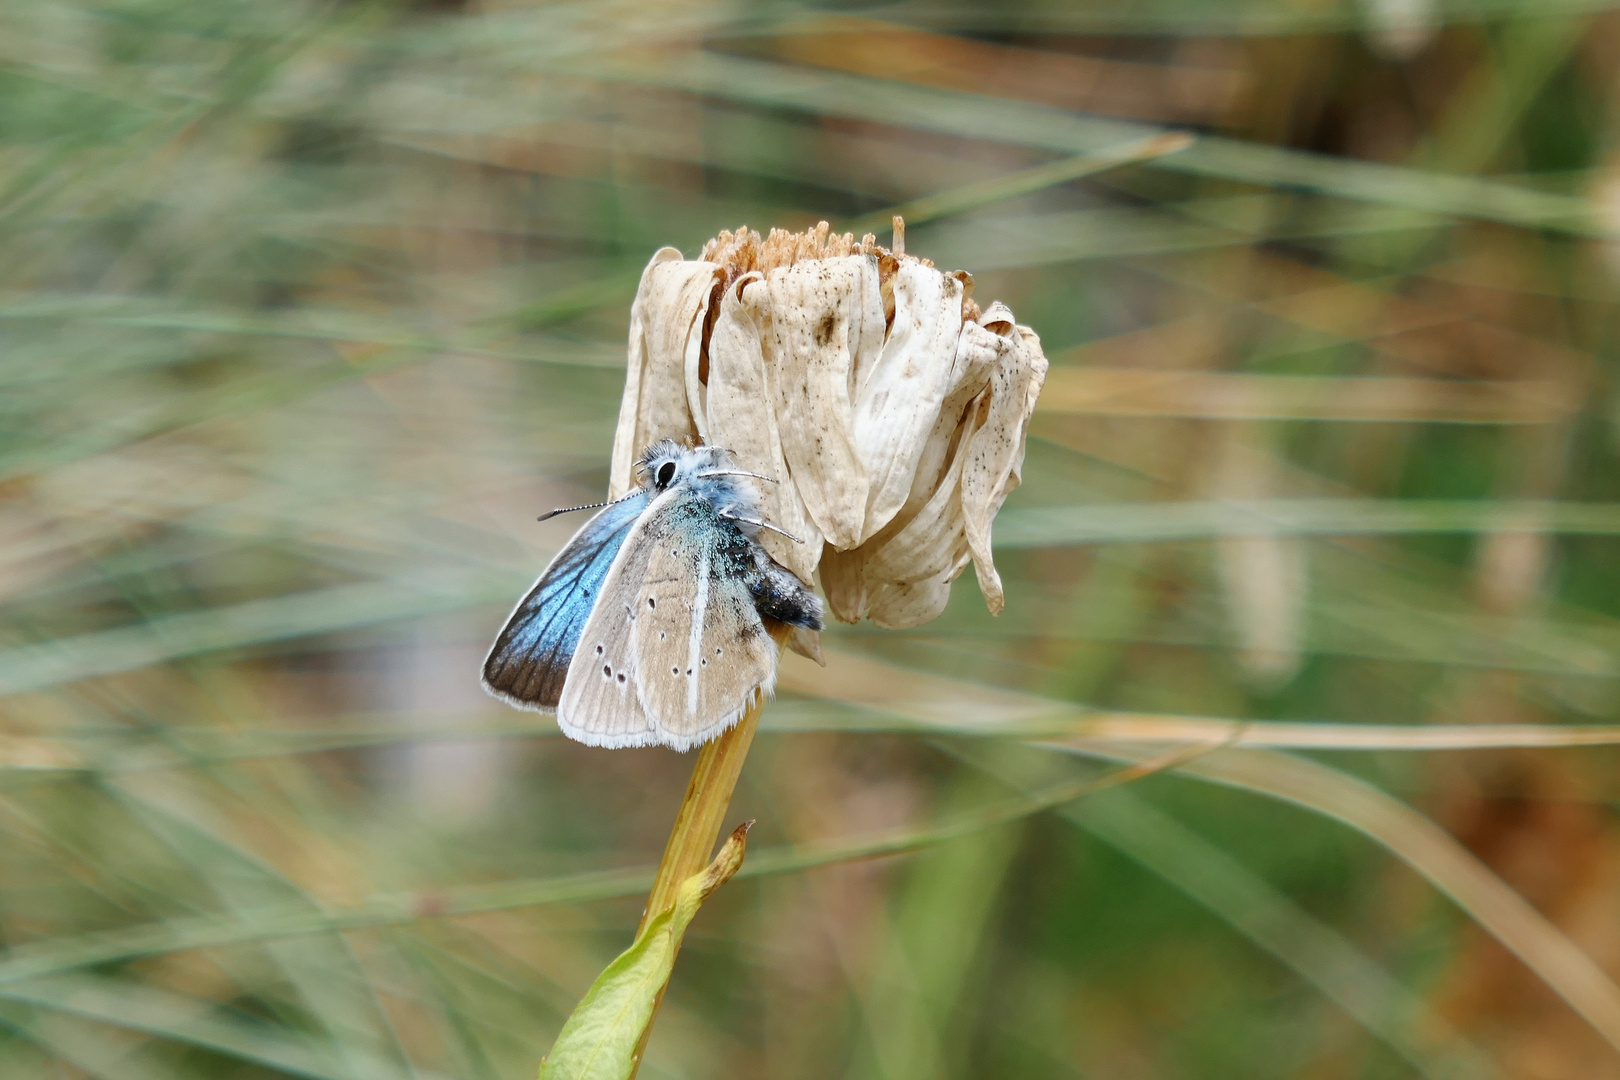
(776, 591)
(779, 594)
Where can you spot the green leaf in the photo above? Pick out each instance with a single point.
(600, 1041)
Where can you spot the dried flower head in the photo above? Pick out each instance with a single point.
(890, 408)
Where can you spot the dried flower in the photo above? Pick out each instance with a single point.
(890, 408)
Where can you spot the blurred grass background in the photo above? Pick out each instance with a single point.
(308, 309)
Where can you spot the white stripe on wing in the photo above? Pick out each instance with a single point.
(694, 641)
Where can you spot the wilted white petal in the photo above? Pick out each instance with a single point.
(995, 441)
(825, 323)
(977, 352)
(807, 643)
(898, 398)
(843, 582)
(900, 607)
(624, 435)
(905, 571)
(741, 419)
(929, 542)
(666, 328)
(1038, 366)
(695, 365)
(906, 568)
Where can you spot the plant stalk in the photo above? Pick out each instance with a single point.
(698, 823)
(702, 813)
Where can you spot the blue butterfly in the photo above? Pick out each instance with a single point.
(648, 627)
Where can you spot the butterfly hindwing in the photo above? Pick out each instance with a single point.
(600, 705)
(700, 648)
(528, 665)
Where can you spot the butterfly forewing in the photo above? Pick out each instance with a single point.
(701, 650)
(528, 664)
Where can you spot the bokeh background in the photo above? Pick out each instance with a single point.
(308, 309)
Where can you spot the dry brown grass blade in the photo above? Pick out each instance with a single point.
(1175, 92)
(946, 706)
(1211, 395)
(32, 759)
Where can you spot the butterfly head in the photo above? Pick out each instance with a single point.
(710, 471)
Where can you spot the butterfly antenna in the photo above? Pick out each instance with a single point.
(548, 515)
(738, 472)
(761, 524)
(588, 506)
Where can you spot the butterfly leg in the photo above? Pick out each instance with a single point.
(729, 516)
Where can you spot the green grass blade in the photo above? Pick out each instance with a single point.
(1431, 852)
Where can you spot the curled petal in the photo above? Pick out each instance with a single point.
(807, 643)
(900, 607)
(928, 543)
(740, 419)
(825, 323)
(901, 577)
(666, 331)
(844, 584)
(995, 441)
(898, 398)
(977, 352)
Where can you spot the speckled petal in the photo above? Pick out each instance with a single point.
(995, 441)
(825, 323)
(977, 352)
(740, 419)
(898, 398)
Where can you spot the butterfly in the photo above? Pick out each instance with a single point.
(648, 627)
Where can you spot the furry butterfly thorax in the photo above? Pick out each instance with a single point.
(649, 627)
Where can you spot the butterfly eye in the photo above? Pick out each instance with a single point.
(666, 474)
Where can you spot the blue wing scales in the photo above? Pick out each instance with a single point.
(529, 662)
